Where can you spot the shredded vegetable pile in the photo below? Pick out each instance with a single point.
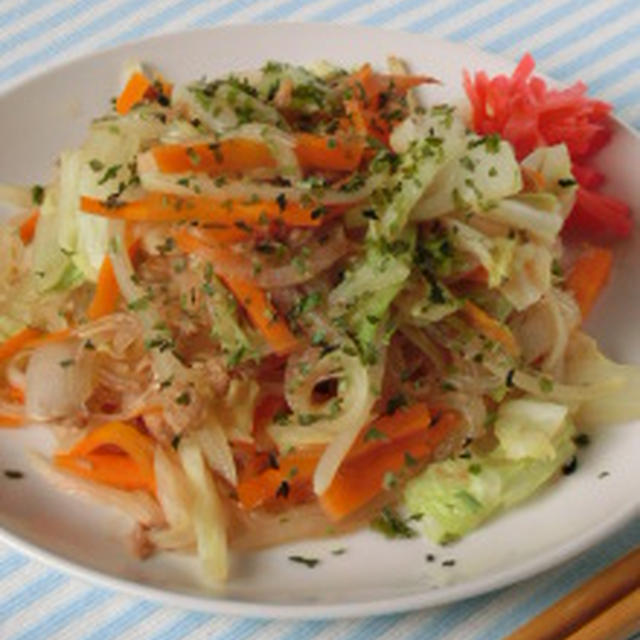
(301, 299)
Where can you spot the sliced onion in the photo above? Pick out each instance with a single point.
(530, 275)
(175, 499)
(173, 539)
(124, 327)
(207, 512)
(322, 255)
(337, 420)
(15, 372)
(59, 380)
(216, 450)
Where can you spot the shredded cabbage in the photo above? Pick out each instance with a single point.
(455, 496)
(614, 396)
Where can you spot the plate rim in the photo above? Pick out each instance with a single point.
(375, 607)
(211, 603)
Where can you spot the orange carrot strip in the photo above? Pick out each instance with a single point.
(355, 112)
(490, 327)
(364, 84)
(261, 312)
(336, 153)
(249, 461)
(19, 341)
(158, 207)
(223, 259)
(226, 156)
(478, 274)
(46, 338)
(356, 484)
(296, 469)
(367, 122)
(367, 85)
(361, 476)
(402, 84)
(10, 420)
(138, 447)
(16, 394)
(588, 276)
(121, 434)
(133, 92)
(106, 295)
(115, 470)
(265, 411)
(383, 430)
(28, 228)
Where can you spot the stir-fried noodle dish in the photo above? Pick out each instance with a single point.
(294, 301)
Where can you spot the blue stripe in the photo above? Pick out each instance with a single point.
(22, 10)
(42, 55)
(33, 591)
(610, 77)
(243, 629)
(131, 616)
(184, 625)
(306, 630)
(534, 26)
(221, 12)
(427, 23)
(157, 21)
(628, 99)
(559, 582)
(11, 564)
(38, 29)
(584, 60)
(65, 615)
(282, 10)
(491, 19)
(584, 30)
(338, 10)
(373, 627)
(439, 625)
(388, 13)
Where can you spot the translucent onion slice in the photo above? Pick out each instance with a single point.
(207, 512)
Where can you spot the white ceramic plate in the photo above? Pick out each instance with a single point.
(50, 112)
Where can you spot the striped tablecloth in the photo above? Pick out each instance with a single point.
(597, 41)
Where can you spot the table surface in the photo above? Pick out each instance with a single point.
(597, 41)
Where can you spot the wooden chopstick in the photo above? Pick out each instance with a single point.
(605, 606)
(616, 623)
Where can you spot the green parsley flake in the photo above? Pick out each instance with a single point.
(310, 563)
(37, 194)
(374, 434)
(391, 525)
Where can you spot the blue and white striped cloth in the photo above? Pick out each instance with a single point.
(597, 41)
